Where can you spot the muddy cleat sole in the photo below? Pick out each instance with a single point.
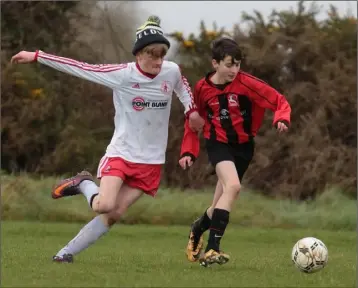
(70, 186)
(213, 257)
(65, 258)
(193, 249)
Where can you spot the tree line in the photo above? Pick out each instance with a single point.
(54, 124)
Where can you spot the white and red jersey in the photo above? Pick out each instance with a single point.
(142, 104)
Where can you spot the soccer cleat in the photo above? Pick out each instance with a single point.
(194, 246)
(70, 186)
(212, 257)
(65, 258)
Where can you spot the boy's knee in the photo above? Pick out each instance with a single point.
(233, 188)
(104, 207)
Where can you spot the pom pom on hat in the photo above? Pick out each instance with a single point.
(154, 19)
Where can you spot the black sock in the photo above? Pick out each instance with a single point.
(217, 229)
(201, 225)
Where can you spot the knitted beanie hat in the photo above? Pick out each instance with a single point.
(150, 32)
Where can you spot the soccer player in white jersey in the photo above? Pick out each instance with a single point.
(131, 166)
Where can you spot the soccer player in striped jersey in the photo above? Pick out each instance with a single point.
(233, 104)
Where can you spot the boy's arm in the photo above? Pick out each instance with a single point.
(109, 75)
(267, 97)
(190, 144)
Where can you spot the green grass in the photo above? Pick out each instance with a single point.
(153, 256)
(25, 198)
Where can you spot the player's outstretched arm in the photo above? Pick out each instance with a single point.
(109, 75)
(269, 98)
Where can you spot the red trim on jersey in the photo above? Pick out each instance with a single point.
(149, 75)
(192, 106)
(82, 65)
(36, 55)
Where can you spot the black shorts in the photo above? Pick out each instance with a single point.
(240, 154)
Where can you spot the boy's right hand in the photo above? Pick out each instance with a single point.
(196, 122)
(23, 57)
(186, 162)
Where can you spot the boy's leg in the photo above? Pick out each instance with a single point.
(202, 224)
(230, 174)
(218, 192)
(99, 225)
(142, 178)
(217, 152)
(111, 171)
(89, 234)
(222, 159)
(103, 198)
(127, 196)
(241, 167)
(199, 226)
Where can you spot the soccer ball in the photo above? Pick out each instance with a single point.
(310, 255)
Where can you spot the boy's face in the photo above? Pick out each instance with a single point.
(227, 68)
(152, 57)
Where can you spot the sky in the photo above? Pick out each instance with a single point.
(185, 16)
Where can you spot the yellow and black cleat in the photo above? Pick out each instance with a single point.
(194, 247)
(212, 257)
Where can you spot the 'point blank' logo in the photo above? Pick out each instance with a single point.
(138, 103)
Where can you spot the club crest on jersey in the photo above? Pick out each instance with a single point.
(232, 99)
(166, 88)
(139, 104)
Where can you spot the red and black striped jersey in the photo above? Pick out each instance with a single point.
(234, 113)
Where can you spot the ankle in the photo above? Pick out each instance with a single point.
(202, 224)
(209, 247)
(218, 226)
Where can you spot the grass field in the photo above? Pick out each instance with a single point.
(26, 198)
(153, 256)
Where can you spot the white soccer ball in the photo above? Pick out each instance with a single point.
(310, 255)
